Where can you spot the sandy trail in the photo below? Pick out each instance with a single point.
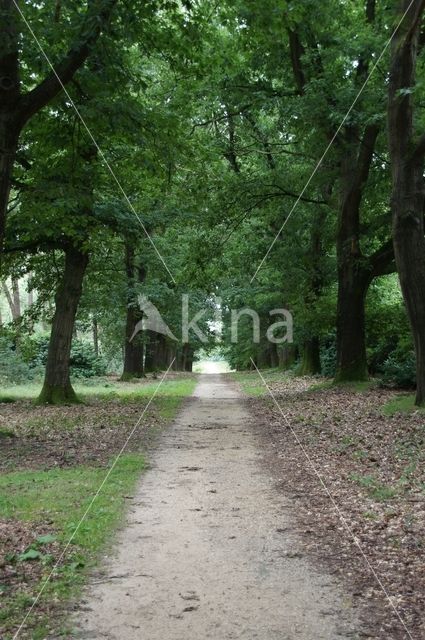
(208, 549)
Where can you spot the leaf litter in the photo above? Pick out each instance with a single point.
(373, 466)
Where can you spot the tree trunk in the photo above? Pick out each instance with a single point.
(95, 328)
(353, 278)
(351, 364)
(274, 360)
(189, 359)
(10, 301)
(16, 298)
(286, 356)
(155, 352)
(133, 346)
(57, 387)
(310, 358)
(408, 195)
(8, 146)
(9, 97)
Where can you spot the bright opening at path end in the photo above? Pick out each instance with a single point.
(211, 366)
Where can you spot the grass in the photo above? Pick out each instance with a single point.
(106, 389)
(376, 490)
(251, 382)
(253, 386)
(404, 403)
(60, 497)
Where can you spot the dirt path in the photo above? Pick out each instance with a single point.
(208, 550)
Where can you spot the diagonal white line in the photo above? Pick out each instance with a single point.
(99, 150)
(86, 512)
(334, 504)
(343, 121)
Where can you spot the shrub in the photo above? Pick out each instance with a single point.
(328, 356)
(84, 362)
(27, 363)
(13, 367)
(399, 369)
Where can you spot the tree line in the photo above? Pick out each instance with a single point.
(199, 136)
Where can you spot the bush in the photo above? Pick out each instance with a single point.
(399, 369)
(328, 356)
(13, 367)
(27, 363)
(84, 362)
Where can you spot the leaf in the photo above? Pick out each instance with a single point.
(46, 539)
(30, 554)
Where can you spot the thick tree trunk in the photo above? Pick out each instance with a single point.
(156, 357)
(133, 345)
(9, 97)
(189, 360)
(133, 349)
(353, 276)
(351, 362)
(408, 193)
(310, 358)
(8, 145)
(57, 387)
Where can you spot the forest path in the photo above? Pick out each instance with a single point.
(208, 550)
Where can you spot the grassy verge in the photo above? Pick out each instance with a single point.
(251, 382)
(40, 507)
(104, 388)
(404, 403)
(60, 498)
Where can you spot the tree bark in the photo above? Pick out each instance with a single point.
(355, 271)
(353, 280)
(310, 357)
(408, 193)
(95, 328)
(351, 363)
(287, 354)
(155, 352)
(57, 388)
(133, 345)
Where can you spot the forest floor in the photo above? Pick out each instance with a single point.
(52, 461)
(367, 444)
(230, 533)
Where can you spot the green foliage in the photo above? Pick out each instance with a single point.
(328, 356)
(399, 369)
(375, 489)
(14, 368)
(401, 404)
(84, 361)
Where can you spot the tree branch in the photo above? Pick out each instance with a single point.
(382, 261)
(297, 50)
(97, 16)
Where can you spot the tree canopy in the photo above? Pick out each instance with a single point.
(241, 151)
